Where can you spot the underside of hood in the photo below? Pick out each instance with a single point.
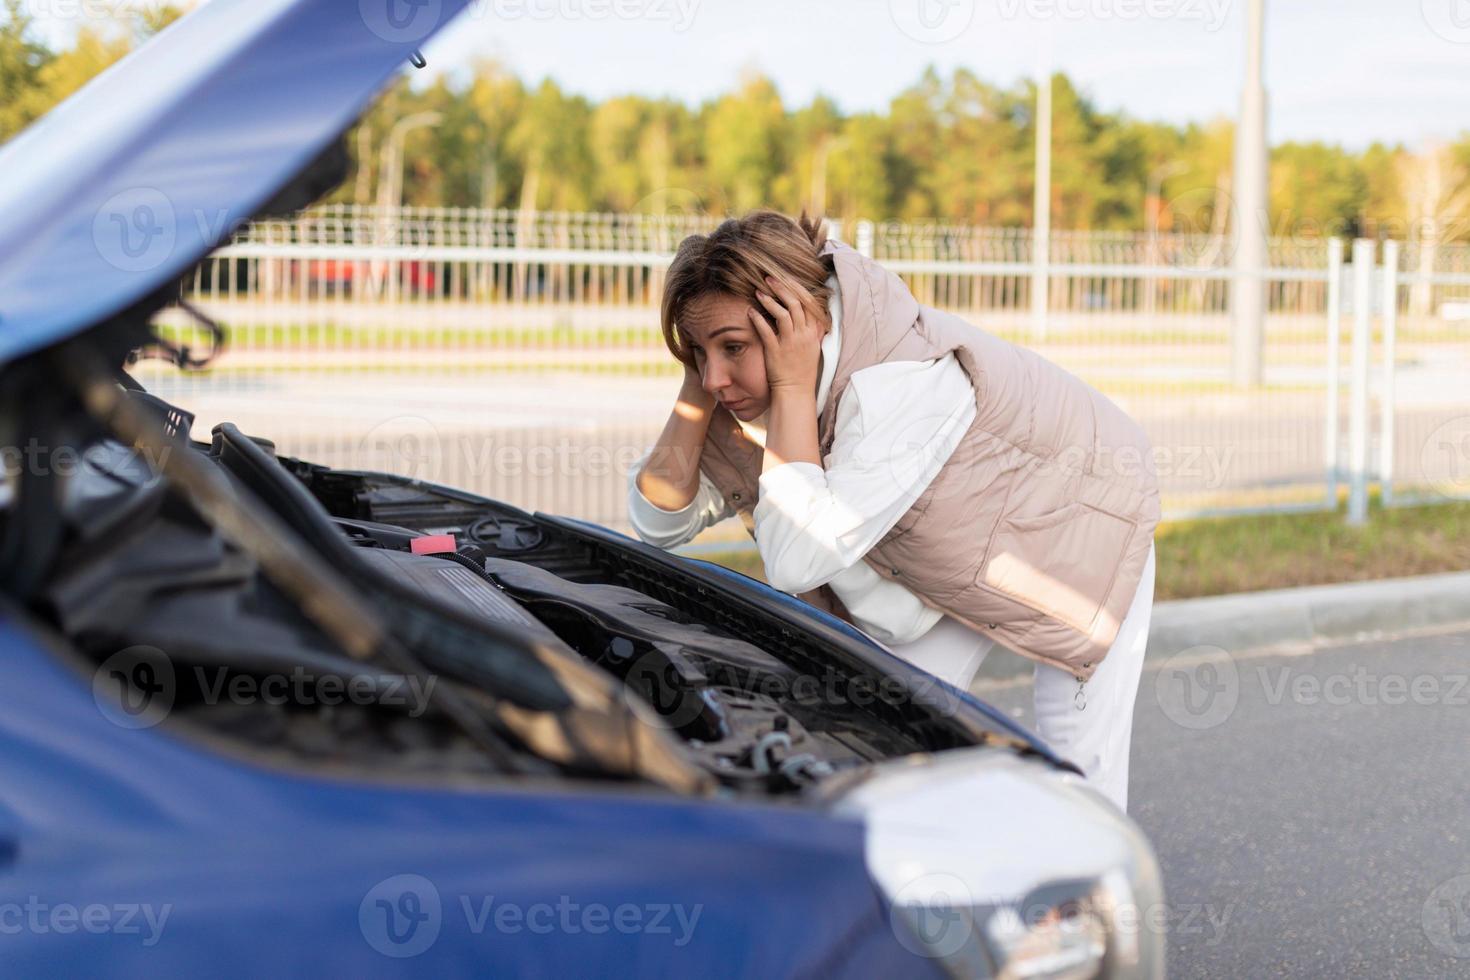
(119, 190)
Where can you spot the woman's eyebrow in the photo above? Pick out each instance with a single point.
(716, 333)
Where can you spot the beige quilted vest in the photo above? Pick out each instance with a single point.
(1036, 529)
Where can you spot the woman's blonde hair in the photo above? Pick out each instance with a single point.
(734, 260)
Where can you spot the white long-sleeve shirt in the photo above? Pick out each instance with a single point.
(896, 425)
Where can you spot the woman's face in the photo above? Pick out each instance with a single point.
(728, 353)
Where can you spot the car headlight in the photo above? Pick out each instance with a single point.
(999, 867)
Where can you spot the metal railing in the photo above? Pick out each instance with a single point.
(465, 345)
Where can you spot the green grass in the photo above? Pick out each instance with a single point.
(408, 366)
(379, 338)
(427, 336)
(1216, 556)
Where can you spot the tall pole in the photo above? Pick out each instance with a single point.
(1041, 207)
(390, 177)
(390, 194)
(1248, 288)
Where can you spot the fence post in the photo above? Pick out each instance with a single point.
(864, 244)
(1386, 406)
(1334, 367)
(1363, 255)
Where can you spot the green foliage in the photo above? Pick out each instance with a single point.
(33, 78)
(23, 59)
(950, 148)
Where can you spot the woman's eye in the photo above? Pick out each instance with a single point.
(734, 349)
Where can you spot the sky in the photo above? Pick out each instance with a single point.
(1343, 71)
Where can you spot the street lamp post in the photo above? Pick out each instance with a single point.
(1041, 207)
(390, 187)
(1248, 287)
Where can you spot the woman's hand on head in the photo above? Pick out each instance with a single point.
(693, 391)
(793, 350)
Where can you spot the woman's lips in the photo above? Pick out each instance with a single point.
(732, 406)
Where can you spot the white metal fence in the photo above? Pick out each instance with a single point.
(519, 354)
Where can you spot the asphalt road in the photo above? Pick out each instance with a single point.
(1309, 812)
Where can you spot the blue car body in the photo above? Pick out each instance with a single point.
(259, 872)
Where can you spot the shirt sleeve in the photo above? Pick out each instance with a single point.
(897, 424)
(671, 528)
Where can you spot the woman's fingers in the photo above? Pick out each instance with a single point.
(762, 328)
(788, 297)
(782, 315)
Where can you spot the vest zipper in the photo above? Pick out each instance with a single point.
(1080, 698)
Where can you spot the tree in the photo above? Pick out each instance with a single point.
(914, 147)
(985, 174)
(1436, 184)
(859, 184)
(549, 139)
(949, 148)
(1316, 190)
(744, 135)
(616, 138)
(23, 59)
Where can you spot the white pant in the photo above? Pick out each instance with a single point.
(1096, 736)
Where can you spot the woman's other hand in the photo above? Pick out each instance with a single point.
(793, 350)
(692, 392)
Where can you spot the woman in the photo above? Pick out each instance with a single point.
(940, 488)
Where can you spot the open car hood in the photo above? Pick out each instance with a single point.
(126, 185)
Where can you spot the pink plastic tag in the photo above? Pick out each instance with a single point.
(432, 544)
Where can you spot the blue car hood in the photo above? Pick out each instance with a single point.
(127, 184)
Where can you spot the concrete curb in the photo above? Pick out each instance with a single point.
(1290, 618)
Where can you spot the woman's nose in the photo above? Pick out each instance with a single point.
(715, 378)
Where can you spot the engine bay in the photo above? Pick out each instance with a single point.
(497, 604)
